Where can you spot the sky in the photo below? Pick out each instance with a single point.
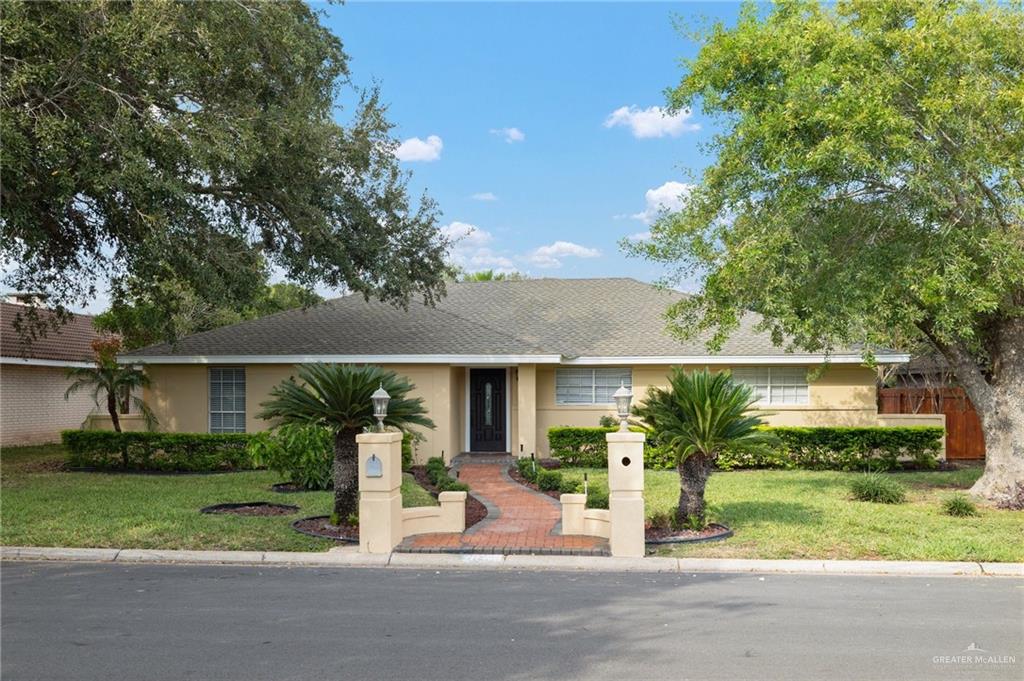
(534, 125)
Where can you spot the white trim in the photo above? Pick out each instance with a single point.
(466, 443)
(508, 410)
(503, 360)
(736, 359)
(33, 362)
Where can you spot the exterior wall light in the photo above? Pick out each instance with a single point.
(623, 396)
(380, 399)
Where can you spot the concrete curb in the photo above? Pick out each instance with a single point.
(350, 557)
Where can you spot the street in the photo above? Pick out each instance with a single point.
(163, 622)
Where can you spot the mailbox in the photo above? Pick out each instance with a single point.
(374, 467)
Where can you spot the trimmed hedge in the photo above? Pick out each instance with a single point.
(825, 448)
(437, 471)
(184, 452)
(548, 480)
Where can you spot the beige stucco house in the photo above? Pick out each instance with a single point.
(497, 363)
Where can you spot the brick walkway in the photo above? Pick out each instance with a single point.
(519, 519)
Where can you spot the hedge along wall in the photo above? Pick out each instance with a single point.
(827, 448)
(188, 452)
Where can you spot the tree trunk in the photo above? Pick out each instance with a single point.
(115, 421)
(999, 400)
(346, 474)
(694, 472)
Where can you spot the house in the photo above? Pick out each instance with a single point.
(497, 363)
(32, 376)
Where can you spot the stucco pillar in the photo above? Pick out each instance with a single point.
(527, 400)
(380, 491)
(626, 493)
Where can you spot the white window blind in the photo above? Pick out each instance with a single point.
(578, 385)
(775, 385)
(227, 399)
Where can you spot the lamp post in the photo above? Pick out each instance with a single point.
(380, 399)
(623, 396)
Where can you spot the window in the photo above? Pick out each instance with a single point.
(227, 399)
(775, 385)
(590, 386)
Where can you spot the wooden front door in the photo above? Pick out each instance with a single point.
(487, 410)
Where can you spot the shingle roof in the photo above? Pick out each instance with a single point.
(556, 317)
(71, 342)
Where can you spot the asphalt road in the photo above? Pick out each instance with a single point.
(155, 622)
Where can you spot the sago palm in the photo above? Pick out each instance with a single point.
(337, 396)
(699, 416)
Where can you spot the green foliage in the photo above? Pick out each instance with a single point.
(184, 452)
(817, 448)
(878, 488)
(408, 438)
(338, 396)
(114, 384)
(607, 421)
(867, 190)
(192, 146)
(597, 497)
(303, 454)
(703, 413)
(437, 471)
(548, 480)
(489, 275)
(528, 469)
(569, 486)
(960, 506)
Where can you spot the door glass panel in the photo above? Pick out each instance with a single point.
(488, 404)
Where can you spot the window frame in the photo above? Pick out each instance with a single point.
(772, 386)
(210, 411)
(621, 375)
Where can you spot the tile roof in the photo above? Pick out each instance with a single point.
(71, 342)
(567, 317)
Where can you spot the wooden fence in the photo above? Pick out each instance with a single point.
(964, 439)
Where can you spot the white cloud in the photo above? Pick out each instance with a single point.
(668, 197)
(484, 196)
(652, 121)
(470, 250)
(415, 149)
(510, 134)
(551, 255)
(639, 236)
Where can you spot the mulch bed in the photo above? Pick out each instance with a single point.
(320, 526)
(666, 535)
(513, 472)
(475, 510)
(252, 508)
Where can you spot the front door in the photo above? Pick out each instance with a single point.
(487, 410)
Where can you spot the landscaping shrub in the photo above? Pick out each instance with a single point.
(570, 486)
(878, 488)
(597, 497)
(437, 471)
(527, 469)
(959, 505)
(825, 448)
(301, 453)
(547, 480)
(185, 452)
(407, 450)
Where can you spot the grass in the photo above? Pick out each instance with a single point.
(810, 514)
(44, 506)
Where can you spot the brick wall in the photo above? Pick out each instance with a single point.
(32, 405)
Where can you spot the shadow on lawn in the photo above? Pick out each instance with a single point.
(735, 513)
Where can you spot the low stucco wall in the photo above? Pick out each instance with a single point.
(917, 420)
(130, 423)
(450, 516)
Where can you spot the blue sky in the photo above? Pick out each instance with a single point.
(553, 196)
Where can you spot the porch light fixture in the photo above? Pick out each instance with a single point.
(380, 399)
(623, 396)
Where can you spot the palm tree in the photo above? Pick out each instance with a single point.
(337, 396)
(115, 383)
(698, 417)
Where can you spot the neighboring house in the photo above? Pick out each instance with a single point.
(32, 378)
(497, 363)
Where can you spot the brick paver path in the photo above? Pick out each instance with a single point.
(526, 520)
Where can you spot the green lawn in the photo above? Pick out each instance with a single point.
(41, 505)
(808, 514)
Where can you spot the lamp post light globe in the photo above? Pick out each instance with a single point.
(623, 396)
(380, 399)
